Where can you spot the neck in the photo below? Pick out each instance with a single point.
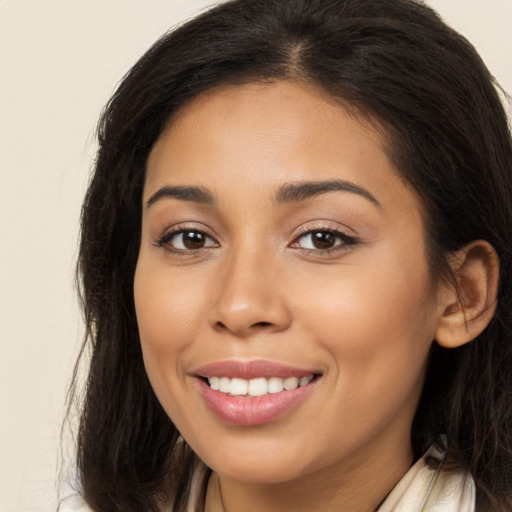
(356, 486)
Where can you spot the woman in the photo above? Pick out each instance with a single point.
(295, 268)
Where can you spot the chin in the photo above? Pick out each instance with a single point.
(260, 471)
(259, 460)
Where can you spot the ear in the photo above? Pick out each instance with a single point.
(468, 309)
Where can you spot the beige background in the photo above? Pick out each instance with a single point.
(59, 62)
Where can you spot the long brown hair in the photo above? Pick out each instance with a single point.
(447, 134)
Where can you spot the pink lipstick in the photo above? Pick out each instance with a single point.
(253, 393)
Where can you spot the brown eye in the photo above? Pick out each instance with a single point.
(186, 240)
(323, 239)
(193, 239)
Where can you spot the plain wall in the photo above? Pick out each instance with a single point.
(59, 62)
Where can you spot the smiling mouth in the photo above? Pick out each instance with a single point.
(253, 393)
(259, 386)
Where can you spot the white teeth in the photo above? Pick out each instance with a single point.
(224, 384)
(214, 382)
(238, 387)
(257, 387)
(275, 385)
(305, 380)
(291, 383)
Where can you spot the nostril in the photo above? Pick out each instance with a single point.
(251, 327)
(262, 324)
(243, 330)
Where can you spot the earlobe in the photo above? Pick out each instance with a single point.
(468, 308)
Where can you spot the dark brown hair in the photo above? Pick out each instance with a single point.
(394, 60)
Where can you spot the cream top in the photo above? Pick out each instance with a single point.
(422, 489)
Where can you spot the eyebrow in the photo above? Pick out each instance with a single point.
(185, 193)
(288, 193)
(293, 192)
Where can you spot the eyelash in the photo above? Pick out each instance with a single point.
(164, 241)
(346, 243)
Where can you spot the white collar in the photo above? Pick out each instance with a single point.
(427, 489)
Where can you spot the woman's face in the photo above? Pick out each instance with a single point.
(282, 258)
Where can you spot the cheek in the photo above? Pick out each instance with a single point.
(167, 311)
(164, 307)
(373, 318)
(377, 328)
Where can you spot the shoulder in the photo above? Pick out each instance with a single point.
(74, 502)
(428, 487)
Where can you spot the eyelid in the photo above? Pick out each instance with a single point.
(324, 225)
(348, 241)
(173, 231)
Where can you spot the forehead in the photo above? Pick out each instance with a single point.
(255, 136)
(254, 99)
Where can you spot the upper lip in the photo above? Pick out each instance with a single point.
(251, 370)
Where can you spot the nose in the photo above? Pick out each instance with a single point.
(250, 298)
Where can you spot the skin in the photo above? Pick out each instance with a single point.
(363, 314)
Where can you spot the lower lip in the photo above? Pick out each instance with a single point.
(250, 411)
